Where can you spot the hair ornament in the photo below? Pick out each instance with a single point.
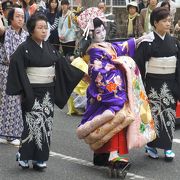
(85, 19)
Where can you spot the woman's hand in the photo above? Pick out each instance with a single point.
(61, 38)
(86, 78)
(125, 46)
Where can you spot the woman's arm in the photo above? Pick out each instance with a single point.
(2, 27)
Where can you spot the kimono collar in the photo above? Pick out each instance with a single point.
(11, 30)
(146, 38)
(162, 37)
(41, 45)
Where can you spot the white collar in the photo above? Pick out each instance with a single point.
(41, 45)
(162, 37)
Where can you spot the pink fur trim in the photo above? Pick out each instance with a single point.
(98, 144)
(85, 129)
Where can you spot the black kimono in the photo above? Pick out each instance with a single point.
(38, 98)
(162, 85)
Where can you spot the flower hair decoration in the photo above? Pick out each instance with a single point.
(85, 19)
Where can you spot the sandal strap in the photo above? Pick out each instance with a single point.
(120, 159)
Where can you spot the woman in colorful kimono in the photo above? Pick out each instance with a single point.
(11, 123)
(33, 69)
(107, 114)
(159, 62)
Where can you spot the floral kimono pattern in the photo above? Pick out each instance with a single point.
(11, 124)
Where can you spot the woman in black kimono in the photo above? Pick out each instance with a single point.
(159, 62)
(53, 15)
(43, 78)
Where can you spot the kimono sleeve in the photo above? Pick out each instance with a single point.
(67, 77)
(18, 82)
(122, 51)
(177, 84)
(141, 58)
(14, 85)
(100, 75)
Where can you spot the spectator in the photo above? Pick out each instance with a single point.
(17, 3)
(166, 4)
(67, 29)
(172, 8)
(6, 7)
(53, 15)
(177, 30)
(134, 26)
(111, 26)
(142, 4)
(29, 7)
(145, 16)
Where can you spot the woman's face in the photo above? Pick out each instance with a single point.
(65, 7)
(163, 26)
(166, 6)
(132, 10)
(100, 34)
(53, 4)
(40, 31)
(18, 19)
(152, 2)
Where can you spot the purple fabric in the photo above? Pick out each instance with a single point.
(107, 89)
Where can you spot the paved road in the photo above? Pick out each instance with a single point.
(71, 159)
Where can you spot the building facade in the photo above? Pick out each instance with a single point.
(117, 7)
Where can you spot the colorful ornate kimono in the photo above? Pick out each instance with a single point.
(11, 124)
(42, 77)
(107, 95)
(159, 63)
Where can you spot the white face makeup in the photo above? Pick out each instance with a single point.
(99, 34)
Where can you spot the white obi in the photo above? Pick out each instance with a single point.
(41, 75)
(162, 65)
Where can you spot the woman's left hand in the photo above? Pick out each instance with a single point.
(125, 46)
(86, 78)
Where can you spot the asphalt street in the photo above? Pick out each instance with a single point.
(71, 158)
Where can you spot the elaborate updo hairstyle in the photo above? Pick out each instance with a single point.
(31, 23)
(84, 44)
(158, 14)
(97, 23)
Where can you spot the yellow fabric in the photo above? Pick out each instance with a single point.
(130, 23)
(147, 25)
(81, 88)
(81, 64)
(145, 113)
(71, 108)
